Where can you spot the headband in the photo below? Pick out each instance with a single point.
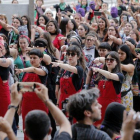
(24, 36)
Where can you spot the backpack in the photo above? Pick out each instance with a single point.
(114, 12)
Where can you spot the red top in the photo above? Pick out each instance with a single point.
(56, 42)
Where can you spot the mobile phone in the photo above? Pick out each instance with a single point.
(97, 13)
(125, 18)
(26, 86)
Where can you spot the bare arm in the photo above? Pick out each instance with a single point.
(32, 69)
(57, 54)
(60, 118)
(5, 62)
(4, 25)
(13, 53)
(128, 68)
(107, 74)
(89, 75)
(66, 67)
(47, 59)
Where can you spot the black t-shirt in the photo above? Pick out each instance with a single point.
(87, 132)
(117, 84)
(3, 31)
(77, 79)
(62, 136)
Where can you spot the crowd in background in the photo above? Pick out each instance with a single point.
(88, 57)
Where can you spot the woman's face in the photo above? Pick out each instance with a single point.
(51, 28)
(122, 55)
(72, 58)
(16, 23)
(81, 31)
(35, 60)
(101, 24)
(90, 41)
(23, 43)
(110, 62)
(15, 2)
(128, 28)
(112, 22)
(111, 31)
(102, 52)
(49, 15)
(132, 35)
(39, 3)
(77, 19)
(2, 18)
(134, 23)
(70, 25)
(84, 2)
(24, 20)
(41, 20)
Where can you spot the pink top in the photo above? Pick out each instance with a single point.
(56, 42)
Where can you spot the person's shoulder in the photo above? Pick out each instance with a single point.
(62, 136)
(102, 135)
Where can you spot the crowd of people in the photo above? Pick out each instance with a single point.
(79, 67)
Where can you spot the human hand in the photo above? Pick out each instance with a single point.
(19, 111)
(97, 60)
(61, 38)
(5, 126)
(16, 96)
(63, 48)
(41, 91)
(10, 27)
(94, 69)
(18, 71)
(129, 123)
(111, 37)
(55, 64)
(58, 61)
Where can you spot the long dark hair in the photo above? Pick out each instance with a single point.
(77, 50)
(50, 48)
(56, 26)
(128, 59)
(114, 55)
(114, 46)
(45, 18)
(28, 25)
(63, 25)
(105, 30)
(20, 20)
(7, 55)
(75, 25)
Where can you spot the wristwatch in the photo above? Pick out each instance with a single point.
(12, 106)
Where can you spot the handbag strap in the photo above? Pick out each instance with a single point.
(23, 61)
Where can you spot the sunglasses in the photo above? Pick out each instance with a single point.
(89, 40)
(111, 60)
(72, 54)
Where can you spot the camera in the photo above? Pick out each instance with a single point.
(26, 86)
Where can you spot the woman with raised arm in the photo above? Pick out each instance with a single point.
(113, 38)
(4, 75)
(110, 82)
(20, 54)
(35, 73)
(71, 79)
(127, 67)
